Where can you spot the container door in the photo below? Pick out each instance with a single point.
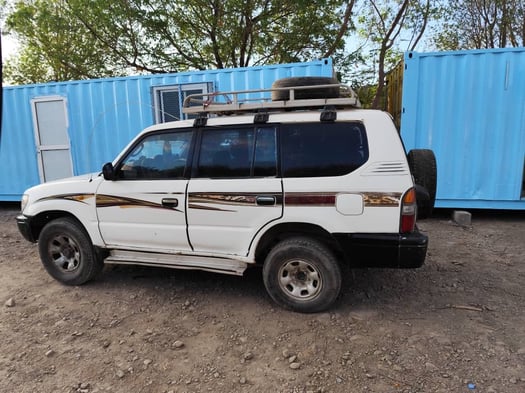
(52, 139)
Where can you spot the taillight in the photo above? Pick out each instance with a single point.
(408, 212)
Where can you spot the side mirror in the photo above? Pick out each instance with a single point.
(108, 171)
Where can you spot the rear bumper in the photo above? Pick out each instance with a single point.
(385, 250)
(24, 226)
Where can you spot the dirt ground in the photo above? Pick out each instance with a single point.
(455, 325)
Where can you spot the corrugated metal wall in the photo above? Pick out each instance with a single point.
(394, 89)
(104, 115)
(469, 107)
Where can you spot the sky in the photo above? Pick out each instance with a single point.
(8, 46)
(8, 43)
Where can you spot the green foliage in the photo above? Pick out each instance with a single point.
(382, 25)
(481, 24)
(81, 39)
(78, 39)
(25, 68)
(53, 45)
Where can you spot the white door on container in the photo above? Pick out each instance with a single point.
(52, 139)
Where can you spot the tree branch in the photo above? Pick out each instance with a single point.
(426, 15)
(342, 30)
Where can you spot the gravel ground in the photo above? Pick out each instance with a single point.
(454, 325)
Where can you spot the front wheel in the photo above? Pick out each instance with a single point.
(303, 275)
(67, 253)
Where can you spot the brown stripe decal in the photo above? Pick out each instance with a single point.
(223, 199)
(381, 199)
(302, 199)
(113, 201)
(202, 207)
(202, 201)
(370, 199)
(72, 197)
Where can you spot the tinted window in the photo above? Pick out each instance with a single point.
(237, 152)
(323, 149)
(159, 156)
(265, 163)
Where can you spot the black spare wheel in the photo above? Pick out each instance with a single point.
(422, 163)
(301, 94)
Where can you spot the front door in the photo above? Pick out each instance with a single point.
(234, 190)
(145, 207)
(52, 140)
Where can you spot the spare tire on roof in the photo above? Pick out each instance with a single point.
(326, 92)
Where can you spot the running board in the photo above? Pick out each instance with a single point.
(177, 261)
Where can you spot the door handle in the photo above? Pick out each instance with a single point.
(265, 200)
(170, 202)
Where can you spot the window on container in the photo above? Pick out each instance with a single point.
(323, 149)
(168, 100)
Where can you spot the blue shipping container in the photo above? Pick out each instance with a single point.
(88, 123)
(469, 107)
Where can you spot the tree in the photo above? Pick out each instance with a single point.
(53, 46)
(78, 39)
(3, 8)
(383, 24)
(482, 24)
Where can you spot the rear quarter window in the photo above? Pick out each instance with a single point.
(323, 149)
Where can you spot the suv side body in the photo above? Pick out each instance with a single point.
(282, 193)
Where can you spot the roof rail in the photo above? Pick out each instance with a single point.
(231, 102)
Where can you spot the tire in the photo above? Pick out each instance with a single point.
(328, 92)
(67, 253)
(302, 275)
(422, 163)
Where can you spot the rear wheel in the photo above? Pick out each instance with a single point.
(302, 274)
(327, 92)
(67, 253)
(422, 163)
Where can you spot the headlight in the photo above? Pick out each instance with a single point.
(24, 201)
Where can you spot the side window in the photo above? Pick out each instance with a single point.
(237, 152)
(265, 163)
(323, 149)
(158, 156)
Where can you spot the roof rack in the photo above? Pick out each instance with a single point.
(226, 103)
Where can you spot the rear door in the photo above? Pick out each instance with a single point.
(234, 190)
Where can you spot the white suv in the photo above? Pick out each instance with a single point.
(300, 186)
